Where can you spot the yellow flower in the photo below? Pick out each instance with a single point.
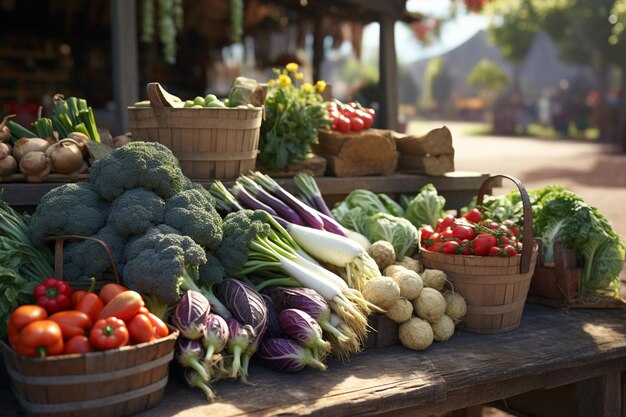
(320, 86)
(307, 87)
(284, 80)
(299, 75)
(271, 83)
(280, 106)
(291, 67)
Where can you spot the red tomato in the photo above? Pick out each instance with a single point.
(447, 234)
(435, 247)
(343, 124)
(443, 224)
(495, 251)
(140, 329)
(371, 111)
(510, 250)
(513, 228)
(77, 344)
(463, 232)
(426, 232)
(367, 118)
(482, 243)
(356, 124)
(473, 216)
(490, 224)
(450, 247)
(466, 248)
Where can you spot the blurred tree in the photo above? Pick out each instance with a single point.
(588, 32)
(437, 85)
(489, 78)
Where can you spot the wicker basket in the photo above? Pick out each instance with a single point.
(495, 288)
(210, 143)
(116, 382)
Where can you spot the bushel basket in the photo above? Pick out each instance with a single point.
(210, 143)
(495, 288)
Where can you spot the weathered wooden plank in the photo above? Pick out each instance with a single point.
(602, 396)
(373, 381)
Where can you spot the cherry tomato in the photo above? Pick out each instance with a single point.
(356, 124)
(450, 247)
(443, 224)
(447, 234)
(367, 118)
(513, 228)
(343, 124)
(463, 232)
(426, 232)
(482, 243)
(473, 216)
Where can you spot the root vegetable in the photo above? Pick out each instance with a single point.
(443, 329)
(35, 166)
(434, 278)
(456, 307)
(8, 166)
(416, 334)
(383, 253)
(391, 270)
(410, 284)
(381, 291)
(400, 311)
(65, 156)
(410, 263)
(430, 305)
(5, 150)
(27, 145)
(5, 134)
(81, 141)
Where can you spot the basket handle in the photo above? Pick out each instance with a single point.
(158, 102)
(527, 237)
(58, 254)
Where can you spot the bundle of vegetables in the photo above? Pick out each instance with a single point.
(318, 234)
(69, 322)
(22, 264)
(562, 214)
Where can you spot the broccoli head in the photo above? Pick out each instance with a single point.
(212, 272)
(70, 209)
(162, 265)
(239, 229)
(86, 258)
(193, 213)
(138, 164)
(135, 211)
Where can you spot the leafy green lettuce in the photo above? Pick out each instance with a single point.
(426, 208)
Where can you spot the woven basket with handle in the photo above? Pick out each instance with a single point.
(495, 288)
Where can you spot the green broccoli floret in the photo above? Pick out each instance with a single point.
(161, 266)
(239, 229)
(193, 213)
(86, 258)
(138, 164)
(70, 209)
(136, 211)
(212, 272)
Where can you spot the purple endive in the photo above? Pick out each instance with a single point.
(302, 328)
(215, 336)
(285, 355)
(190, 354)
(190, 314)
(239, 340)
(273, 326)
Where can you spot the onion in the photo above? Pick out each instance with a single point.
(81, 140)
(8, 166)
(35, 165)
(65, 156)
(26, 145)
(5, 149)
(5, 134)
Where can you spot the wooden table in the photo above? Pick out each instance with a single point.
(551, 348)
(457, 187)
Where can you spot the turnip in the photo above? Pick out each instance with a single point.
(430, 305)
(415, 334)
(410, 283)
(65, 156)
(400, 311)
(8, 166)
(5, 150)
(410, 263)
(383, 253)
(381, 291)
(456, 307)
(393, 269)
(35, 166)
(26, 145)
(443, 329)
(434, 278)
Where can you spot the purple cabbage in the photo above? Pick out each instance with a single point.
(273, 326)
(285, 355)
(215, 336)
(302, 328)
(307, 300)
(239, 340)
(190, 353)
(190, 314)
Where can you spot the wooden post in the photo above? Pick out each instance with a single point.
(125, 60)
(318, 48)
(388, 69)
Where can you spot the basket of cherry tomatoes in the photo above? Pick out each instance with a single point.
(350, 117)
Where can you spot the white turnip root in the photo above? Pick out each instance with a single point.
(434, 278)
(416, 334)
(383, 253)
(35, 166)
(456, 307)
(400, 311)
(443, 329)
(65, 156)
(410, 263)
(26, 145)
(430, 305)
(8, 166)
(391, 270)
(381, 291)
(410, 283)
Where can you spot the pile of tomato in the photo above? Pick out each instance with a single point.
(471, 234)
(65, 321)
(350, 117)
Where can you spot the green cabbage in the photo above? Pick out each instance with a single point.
(398, 231)
(426, 208)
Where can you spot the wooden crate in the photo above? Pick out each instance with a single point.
(369, 152)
